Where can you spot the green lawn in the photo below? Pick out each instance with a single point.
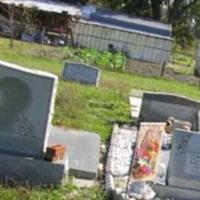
(83, 107)
(67, 192)
(182, 63)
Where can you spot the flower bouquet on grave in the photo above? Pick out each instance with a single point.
(147, 151)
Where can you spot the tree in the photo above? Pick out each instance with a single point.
(136, 7)
(9, 10)
(182, 16)
(28, 17)
(156, 9)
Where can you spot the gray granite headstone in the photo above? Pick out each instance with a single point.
(26, 108)
(184, 165)
(159, 106)
(81, 73)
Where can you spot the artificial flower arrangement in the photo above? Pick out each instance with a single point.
(147, 151)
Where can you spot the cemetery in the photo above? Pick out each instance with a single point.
(32, 158)
(154, 158)
(74, 123)
(92, 104)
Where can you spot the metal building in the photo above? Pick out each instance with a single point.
(140, 39)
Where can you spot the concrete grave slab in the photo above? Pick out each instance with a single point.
(83, 148)
(184, 165)
(26, 106)
(32, 171)
(157, 107)
(81, 73)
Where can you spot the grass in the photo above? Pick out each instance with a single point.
(182, 63)
(83, 107)
(67, 192)
(183, 60)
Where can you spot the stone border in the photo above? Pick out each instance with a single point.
(119, 193)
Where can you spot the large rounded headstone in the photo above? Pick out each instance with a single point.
(26, 107)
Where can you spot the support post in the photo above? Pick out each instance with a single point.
(163, 69)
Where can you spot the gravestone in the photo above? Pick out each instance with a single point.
(157, 107)
(81, 73)
(26, 106)
(27, 100)
(184, 165)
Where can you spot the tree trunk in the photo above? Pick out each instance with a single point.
(156, 9)
(175, 11)
(11, 11)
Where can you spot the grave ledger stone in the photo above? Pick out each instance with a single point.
(184, 165)
(81, 73)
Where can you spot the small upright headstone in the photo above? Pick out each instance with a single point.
(81, 73)
(184, 166)
(158, 107)
(26, 108)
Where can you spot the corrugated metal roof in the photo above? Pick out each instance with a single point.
(132, 23)
(126, 29)
(49, 6)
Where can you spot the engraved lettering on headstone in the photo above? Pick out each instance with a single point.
(24, 126)
(15, 98)
(81, 73)
(193, 163)
(182, 147)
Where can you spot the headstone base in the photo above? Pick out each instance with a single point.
(83, 150)
(24, 170)
(176, 192)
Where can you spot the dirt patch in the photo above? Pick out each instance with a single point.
(150, 69)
